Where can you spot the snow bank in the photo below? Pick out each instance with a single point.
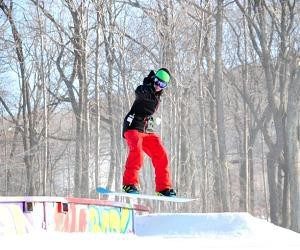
(238, 231)
(208, 225)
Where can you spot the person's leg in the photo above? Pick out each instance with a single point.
(134, 160)
(153, 147)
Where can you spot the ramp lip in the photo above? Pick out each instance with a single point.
(83, 201)
(9, 199)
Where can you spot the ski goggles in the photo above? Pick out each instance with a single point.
(160, 83)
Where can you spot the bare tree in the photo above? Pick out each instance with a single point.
(99, 13)
(263, 40)
(28, 130)
(293, 147)
(107, 27)
(222, 172)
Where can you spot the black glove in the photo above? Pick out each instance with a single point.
(149, 80)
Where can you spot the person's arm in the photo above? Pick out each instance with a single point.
(143, 92)
(146, 90)
(149, 80)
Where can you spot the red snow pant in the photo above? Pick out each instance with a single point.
(151, 144)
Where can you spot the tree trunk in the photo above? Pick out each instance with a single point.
(45, 165)
(28, 134)
(293, 147)
(203, 169)
(97, 98)
(272, 183)
(80, 107)
(108, 33)
(223, 186)
(184, 151)
(78, 159)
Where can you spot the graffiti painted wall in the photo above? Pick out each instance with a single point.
(92, 218)
(22, 215)
(12, 220)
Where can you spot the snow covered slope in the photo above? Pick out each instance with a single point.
(210, 224)
(218, 231)
(170, 232)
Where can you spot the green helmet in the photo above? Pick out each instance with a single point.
(163, 74)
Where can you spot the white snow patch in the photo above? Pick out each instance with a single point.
(171, 231)
(209, 224)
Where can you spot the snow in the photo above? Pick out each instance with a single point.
(171, 231)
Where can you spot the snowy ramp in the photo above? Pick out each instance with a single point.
(209, 225)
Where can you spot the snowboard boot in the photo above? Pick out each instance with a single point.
(131, 189)
(167, 192)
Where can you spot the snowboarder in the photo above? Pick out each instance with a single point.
(140, 136)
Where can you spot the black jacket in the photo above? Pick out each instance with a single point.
(146, 103)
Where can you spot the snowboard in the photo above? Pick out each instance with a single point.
(104, 191)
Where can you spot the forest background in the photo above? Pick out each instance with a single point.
(229, 118)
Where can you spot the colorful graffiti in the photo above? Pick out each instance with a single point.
(113, 220)
(81, 215)
(83, 218)
(72, 221)
(12, 220)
